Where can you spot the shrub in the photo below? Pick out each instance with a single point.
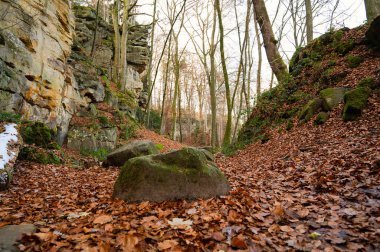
(10, 117)
(100, 154)
(37, 133)
(367, 82)
(354, 61)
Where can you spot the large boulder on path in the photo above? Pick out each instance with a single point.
(181, 174)
(10, 144)
(133, 149)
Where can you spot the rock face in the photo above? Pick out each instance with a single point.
(46, 72)
(83, 138)
(182, 174)
(10, 144)
(34, 77)
(134, 149)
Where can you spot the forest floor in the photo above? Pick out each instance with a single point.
(314, 188)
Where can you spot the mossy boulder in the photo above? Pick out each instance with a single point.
(322, 117)
(355, 101)
(310, 109)
(134, 149)
(331, 97)
(181, 174)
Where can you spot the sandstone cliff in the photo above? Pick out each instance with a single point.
(35, 79)
(46, 73)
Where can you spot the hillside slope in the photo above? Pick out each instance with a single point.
(339, 62)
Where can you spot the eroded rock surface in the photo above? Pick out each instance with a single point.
(35, 79)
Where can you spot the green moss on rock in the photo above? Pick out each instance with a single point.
(355, 101)
(331, 97)
(182, 174)
(322, 117)
(310, 109)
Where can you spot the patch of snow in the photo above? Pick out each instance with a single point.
(6, 138)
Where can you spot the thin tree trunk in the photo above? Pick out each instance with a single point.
(214, 130)
(163, 118)
(150, 64)
(270, 43)
(228, 128)
(115, 22)
(260, 56)
(309, 21)
(124, 45)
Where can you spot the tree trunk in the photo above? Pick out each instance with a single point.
(270, 43)
(372, 9)
(124, 45)
(115, 22)
(212, 86)
(228, 129)
(163, 118)
(309, 21)
(260, 54)
(150, 64)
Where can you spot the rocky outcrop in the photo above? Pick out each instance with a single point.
(35, 43)
(182, 174)
(88, 69)
(134, 149)
(10, 143)
(46, 72)
(87, 138)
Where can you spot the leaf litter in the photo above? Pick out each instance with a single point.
(309, 189)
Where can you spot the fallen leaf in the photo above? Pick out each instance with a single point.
(103, 219)
(239, 243)
(178, 223)
(167, 244)
(218, 236)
